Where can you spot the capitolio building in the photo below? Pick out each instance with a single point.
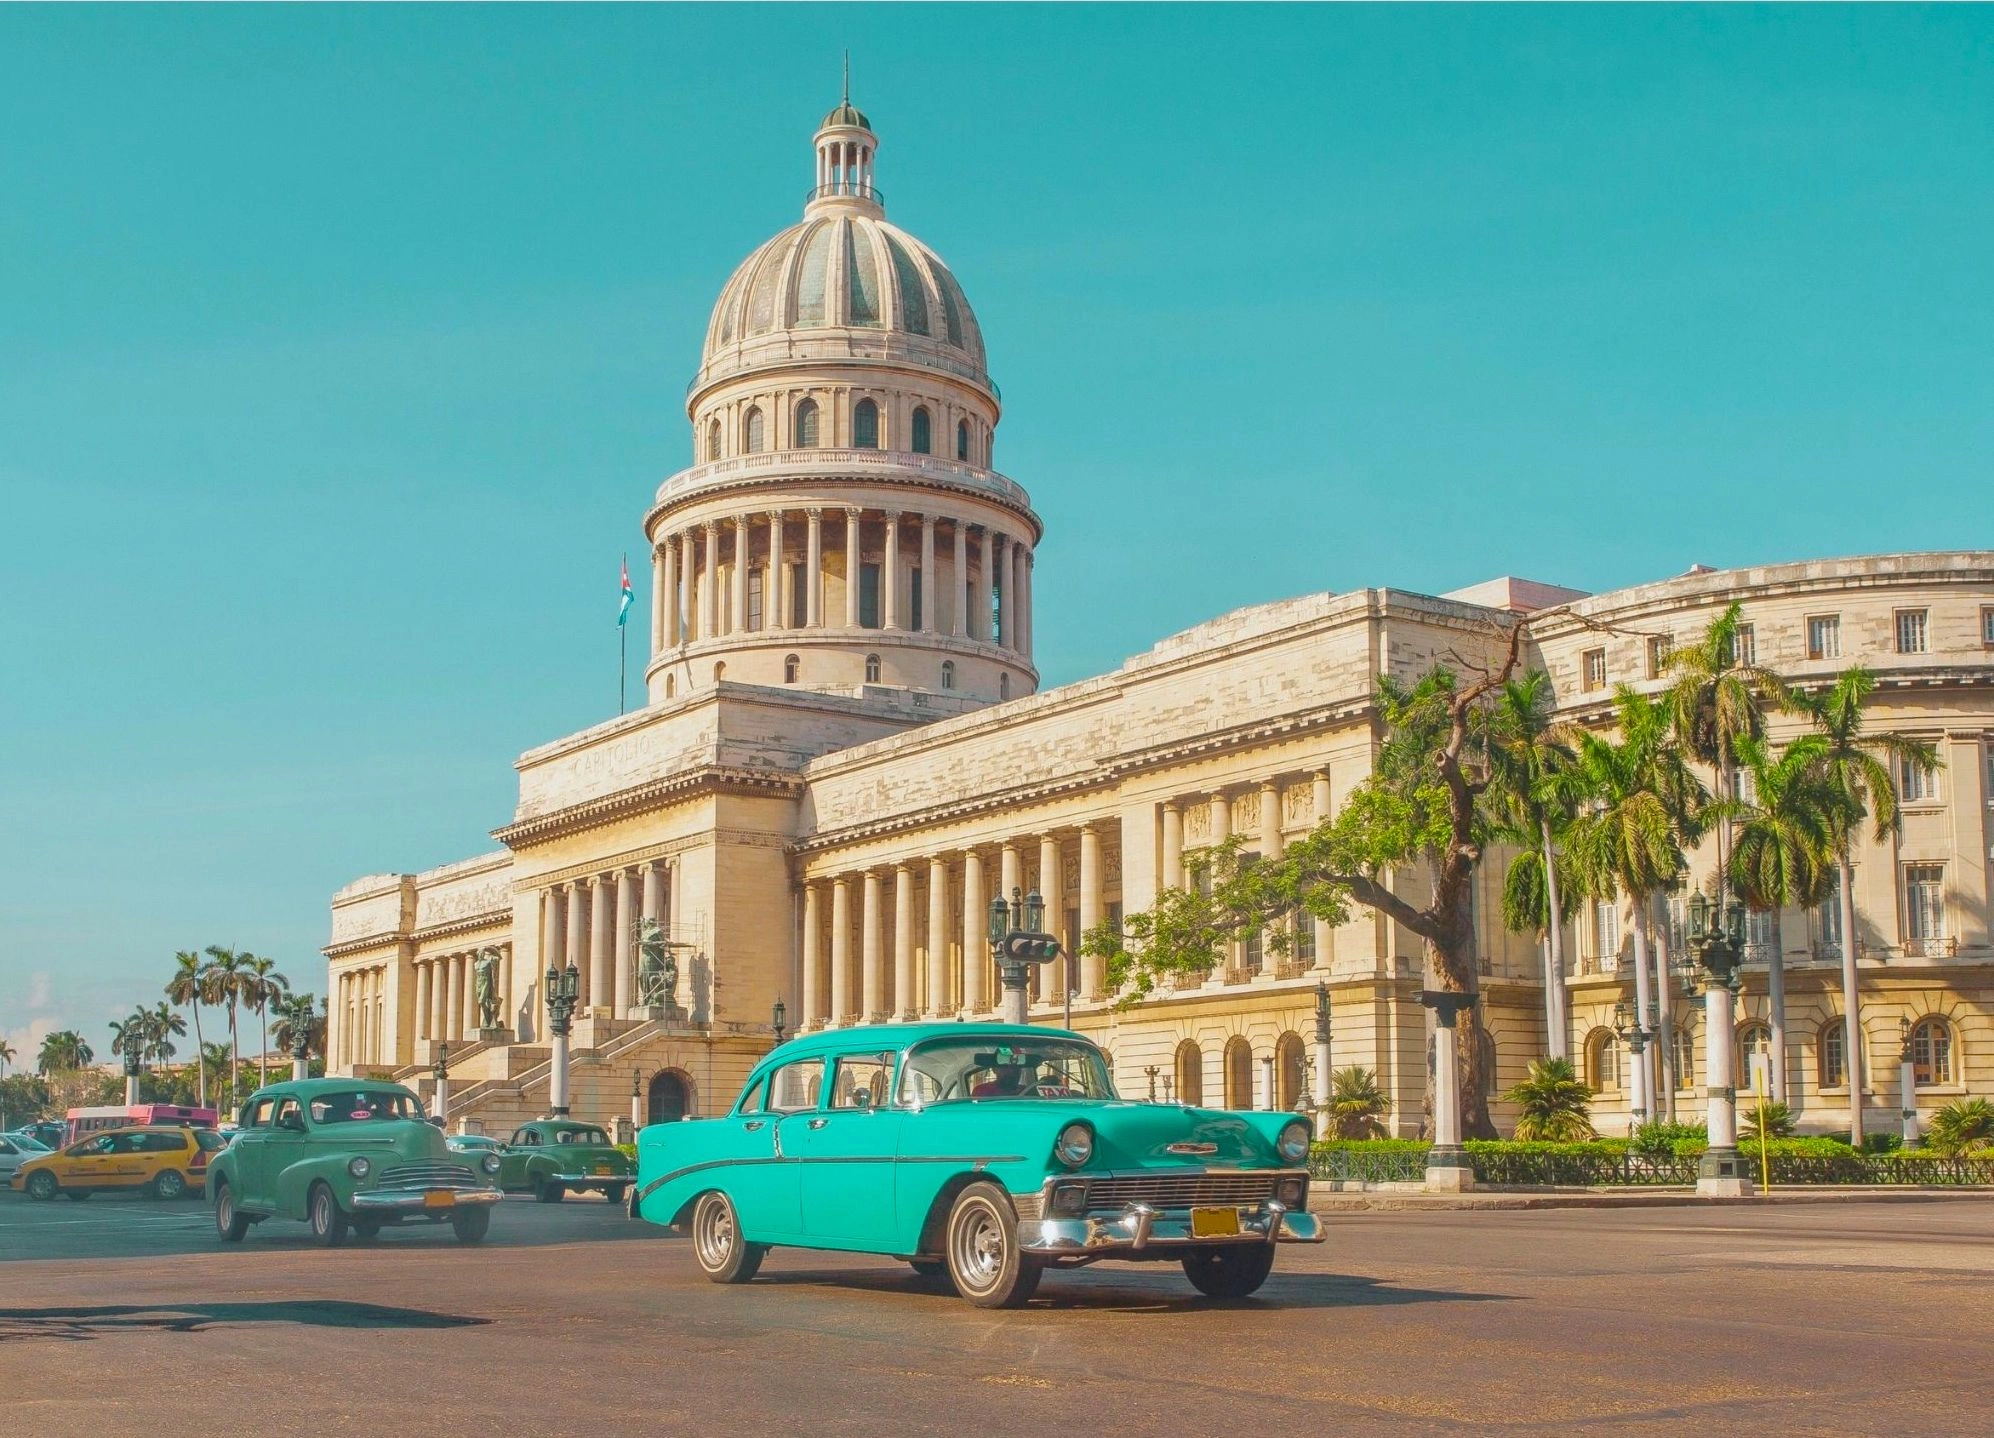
(844, 752)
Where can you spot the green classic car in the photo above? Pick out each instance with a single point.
(345, 1155)
(982, 1153)
(551, 1157)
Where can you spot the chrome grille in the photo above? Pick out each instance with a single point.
(427, 1175)
(1027, 1205)
(1180, 1190)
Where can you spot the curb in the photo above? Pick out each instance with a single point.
(1346, 1202)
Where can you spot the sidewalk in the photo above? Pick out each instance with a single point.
(1412, 1197)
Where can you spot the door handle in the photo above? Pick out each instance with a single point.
(752, 1125)
(818, 1122)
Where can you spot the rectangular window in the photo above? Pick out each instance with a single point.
(869, 596)
(1304, 935)
(996, 614)
(1745, 648)
(1824, 636)
(1925, 901)
(1828, 916)
(1658, 655)
(1911, 631)
(755, 582)
(1761, 936)
(1606, 930)
(1592, 667)
(1987, 627)
(1831, 1057)
(1916, 784)
(799, 602)
(794, 1086)
(915, 617)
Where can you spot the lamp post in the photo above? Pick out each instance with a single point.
(441, 1070)
(1907, 1084)
(1019, 943)
(1322, 1059)
(636, 1100)
(564, 990)
(779, 1021)
(1151, 1071)
(134, 1066)
(1448, 1168)
(301, 1016)
(1633, 1033)
(1717, 936)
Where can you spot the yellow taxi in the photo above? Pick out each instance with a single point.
(166, 1162)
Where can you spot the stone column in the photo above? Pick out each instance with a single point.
(813, 960)
(467, 1019)
(1014, 602)
(1266, 1098)
(873, 952)
(1026, 619)
(958, 625)
(1221, 817)
(422, 982)
(975, 948)
(1270, 820)
(1093, 972)
(1447, 1167)
(439, 1023)
(1010, 871)
(889, 574)
(852, 564)
(1053, 977)
(685, 597)
(1720, 1174)
(740, 586)
(841, 951)
(938, 939)
(1907, 1093)
(775, 607)
(625, 956)
(1000, 581)
(661, 564)
(709, 586)
(602, 942)
(980, 629)
(553, 936)
(903, 1005)
(1173, 845)
(930, 619)
(577, 945)
(654, 892)
(813, 571)
(453, 1004)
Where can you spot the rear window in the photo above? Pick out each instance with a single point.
(581, 1135)
(363, 1106)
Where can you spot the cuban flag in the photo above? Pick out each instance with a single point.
(623, 606)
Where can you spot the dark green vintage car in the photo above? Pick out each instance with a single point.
(345, 1155)
(551, 1156)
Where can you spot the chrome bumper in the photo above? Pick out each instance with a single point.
(414, 1200)
(1143, 1229)
(582, 1180)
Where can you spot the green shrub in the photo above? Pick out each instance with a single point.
(628, 1150)
(1778, 1121)
(1673, 1140)
(1372, 1145)
(1552, 1104)
(1962, 1128)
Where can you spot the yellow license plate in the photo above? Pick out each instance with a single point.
(602, 1168)
(1214, 1222)
(439, 1198)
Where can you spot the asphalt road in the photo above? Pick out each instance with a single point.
(124, 1316)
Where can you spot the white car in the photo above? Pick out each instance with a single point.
(15, 1150)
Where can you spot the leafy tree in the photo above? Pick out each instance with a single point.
(1555, 1107)
(1357, 1106)
(189, 988)
(1859, 766)
(1778, 1121)
(1421, 808)
(64, 1051)
(1718, 696)
(24, 1098)
(225, 982)
(296, 1012)
(6, 1054)
(1963, 1126)
(131, 1036)
(262, 986)
(162, 1026)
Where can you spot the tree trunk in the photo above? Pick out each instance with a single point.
(200, 1059)
(1644, 1064)
(1776, 1004)
(1665, 1031)
(1558, 1042)
(1854, 1057)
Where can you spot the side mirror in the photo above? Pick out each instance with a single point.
(293, 1121)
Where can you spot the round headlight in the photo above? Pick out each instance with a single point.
(1293, 1144)
(359, 1166)
(491, 1163)
(1075, 1145)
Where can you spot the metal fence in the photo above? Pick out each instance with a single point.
(1523, 1169)
(1392, 1165)
(1866, 1168)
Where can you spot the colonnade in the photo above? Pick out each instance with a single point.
(706, 576)
(446, 994)
(361, 1013)
(932, 960)
(595, 921)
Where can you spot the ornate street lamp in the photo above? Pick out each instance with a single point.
(1019, 943)
(1717, 937)
(301, 1015)
(441, 1071)
(636, 1099)
(134, 1066)
(1634, 1034)
(1323, 1061)
(1907, 1084)
(779, 1021)
(564, 991)
(1152, 1071)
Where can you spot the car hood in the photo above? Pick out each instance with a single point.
(1148, 1135)
(405, 1138)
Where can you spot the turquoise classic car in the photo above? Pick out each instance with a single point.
(980, 1153)
(345, 1155)
(552, 1157)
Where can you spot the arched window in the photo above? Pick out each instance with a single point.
(1686, 1048)
(872, 669)
(719, 671)
(757, 431)
(791, 668)
(1754, 1040)
(962, 439)
(1831, 1050)
(712, 440)
(924, 437)
(1003, 686)
(1190, 1073)
(1289, 1071)
(806, 424)
(1238, 1073)
(1602, 1061)
(948, 674)
(865, 425)
(1931, 1053)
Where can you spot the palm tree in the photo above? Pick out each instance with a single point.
(129, 1037)
(1964, 1126)
(63, 1051)
(1555, 1106)
(1778, 1121)
(188, 987)
(1532, 760)
(6, 1054)
(1357, 1105)
(225, 985)
(263, 985)
(162, 1027)
(213, 1062)
(1641, 802)
(1859, 766)
(1718, 696)
(298, 1013)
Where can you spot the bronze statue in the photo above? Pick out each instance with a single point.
(657, 970)
(485, 977)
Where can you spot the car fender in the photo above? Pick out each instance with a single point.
(676, 1162)
(295, 1182)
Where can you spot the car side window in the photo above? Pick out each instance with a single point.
(754, 1100)
(257, 1115)
(794, 1087)
(861, 1081)
(287, 1109)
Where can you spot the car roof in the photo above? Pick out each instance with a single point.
(882, 1037)
(307, 1088)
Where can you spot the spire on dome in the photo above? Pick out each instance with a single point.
(845, 147)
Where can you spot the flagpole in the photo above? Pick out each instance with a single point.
(622, 649)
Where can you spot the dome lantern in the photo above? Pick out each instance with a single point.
(845, 147)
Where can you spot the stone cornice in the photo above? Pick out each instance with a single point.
(346, 948)
(784, 471)
(709, 779)
(451, 928)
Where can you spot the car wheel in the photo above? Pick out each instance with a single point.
(230, 1225)
(613, 1192)
(1231, 1270)
(42, 1185)
(170, 1183)
(551, 1190)
(723, 1254)
(985, 1260)
(326, 1217)
(471, 1223)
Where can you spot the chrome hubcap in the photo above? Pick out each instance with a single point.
(714, 1232)
(978, 1247)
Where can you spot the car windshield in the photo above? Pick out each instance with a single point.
(951, 1069)
(32, 1144)
(581, 1135)
(363, 1106)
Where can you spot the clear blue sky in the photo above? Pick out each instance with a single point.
(340, 349)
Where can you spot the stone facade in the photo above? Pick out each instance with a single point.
(830, 780)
